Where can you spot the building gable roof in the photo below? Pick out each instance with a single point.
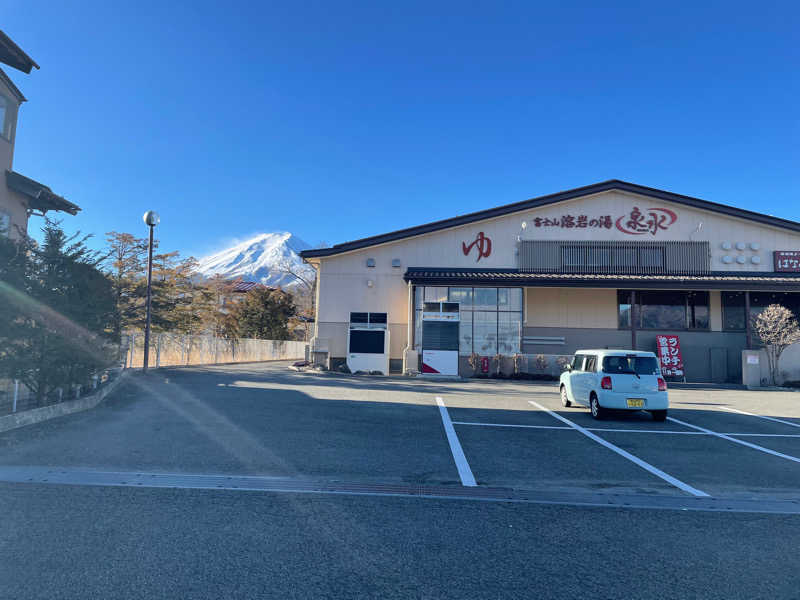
(596, 188)
(39, 196)
(14, 56)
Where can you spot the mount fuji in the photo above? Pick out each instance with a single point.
(261, 258)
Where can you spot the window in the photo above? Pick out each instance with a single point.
(697, 310)
(642, 365)
(591, 364)
(461, 295)
(509, 299)
(664, 310)
(465, 334)
(484, 331)
(733, 311)
(5, 223)
(760, 300)
(485, 299)
(624, 305)
(435, 294)
(490, 319)
(577, 362)
(368, 319)
(5, 121)
(509, 331)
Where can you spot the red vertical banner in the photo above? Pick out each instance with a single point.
(669, 353)
(484, 364)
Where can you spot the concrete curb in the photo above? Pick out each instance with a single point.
(45, 413)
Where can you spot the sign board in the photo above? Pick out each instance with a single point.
(669, 354)
(787, 261)
(440, 362)
(484, 364)
(752, 359)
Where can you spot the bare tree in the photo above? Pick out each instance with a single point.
(777, 328)
(304, 276)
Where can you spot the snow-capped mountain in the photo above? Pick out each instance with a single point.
(260, 258)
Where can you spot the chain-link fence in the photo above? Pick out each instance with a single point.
(170, 349)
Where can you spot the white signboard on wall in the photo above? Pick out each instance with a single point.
(440, 362)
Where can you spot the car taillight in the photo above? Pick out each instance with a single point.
(605, 383)
(662, 385)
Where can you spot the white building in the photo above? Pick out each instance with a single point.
(612, 265)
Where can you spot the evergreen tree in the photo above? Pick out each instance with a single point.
(264, 314)
(57, 324)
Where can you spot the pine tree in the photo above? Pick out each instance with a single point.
(264, 314)
(57, 326)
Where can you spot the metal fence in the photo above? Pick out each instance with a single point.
(16, 397)
(172, 350)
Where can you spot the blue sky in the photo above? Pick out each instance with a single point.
(339, 120)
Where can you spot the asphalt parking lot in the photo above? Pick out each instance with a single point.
(253, 469)
(266, 421)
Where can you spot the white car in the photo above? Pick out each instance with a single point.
(615, 379)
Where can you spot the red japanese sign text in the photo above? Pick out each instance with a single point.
(669, 354)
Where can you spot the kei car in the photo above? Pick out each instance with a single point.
(606, 380)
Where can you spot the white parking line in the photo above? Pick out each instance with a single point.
(736, 410)
(667, 431)
(512, 425)
(735, 441)
(464, 472)
(634, 459)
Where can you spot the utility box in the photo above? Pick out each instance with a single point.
(751, 368)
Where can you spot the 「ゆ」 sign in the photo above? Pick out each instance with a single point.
(637, 222)
(481, 243)
(669, 354)
(787, 261)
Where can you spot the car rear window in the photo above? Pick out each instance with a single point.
(642, 365)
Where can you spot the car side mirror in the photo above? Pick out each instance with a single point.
(569, 368)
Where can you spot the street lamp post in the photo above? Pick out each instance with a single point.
(151, 219)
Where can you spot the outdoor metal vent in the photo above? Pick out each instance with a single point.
(370, 262)
(396, 262)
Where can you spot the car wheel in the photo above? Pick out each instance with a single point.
(659, 415)
(598, 412)
(564, 398)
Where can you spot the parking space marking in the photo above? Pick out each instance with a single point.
(667, 431)
(565, 428)
(735, 441)
(513, 425)
(625, 454)
(464, 472)
(736, 410)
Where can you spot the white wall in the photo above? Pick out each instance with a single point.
(343, 278)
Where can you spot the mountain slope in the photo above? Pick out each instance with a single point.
(259, 259)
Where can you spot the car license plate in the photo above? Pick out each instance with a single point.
(635, 402)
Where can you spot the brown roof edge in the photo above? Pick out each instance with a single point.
(603, 186)
(14, 56)
(40, 197)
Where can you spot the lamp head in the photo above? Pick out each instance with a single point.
(151, 218)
